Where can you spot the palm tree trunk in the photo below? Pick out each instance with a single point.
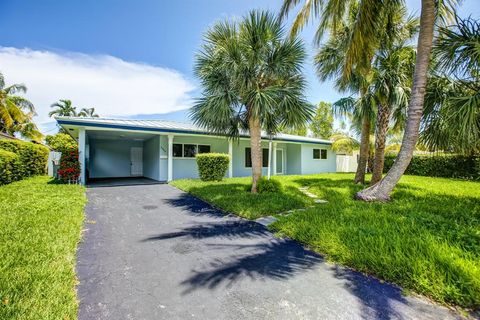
(364, 150)
(381, 190)
(256, 151)
(381, 127)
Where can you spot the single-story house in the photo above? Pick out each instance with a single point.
(165, 150)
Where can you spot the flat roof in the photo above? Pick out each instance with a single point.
(168, 127)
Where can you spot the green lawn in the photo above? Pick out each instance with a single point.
(40, 225)
(427, 239)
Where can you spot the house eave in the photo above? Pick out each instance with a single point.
(91, 124)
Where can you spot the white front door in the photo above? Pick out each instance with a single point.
(136, 161)
(279, 168)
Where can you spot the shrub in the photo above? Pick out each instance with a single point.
(69, 166)
(269, 186)
(446, 166)
(33, 157)
(212, 166)
(10, 167)
(60, 142)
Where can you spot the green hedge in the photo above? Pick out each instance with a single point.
(446, 166)
(32, 158)
(212, 166)
(10, 167)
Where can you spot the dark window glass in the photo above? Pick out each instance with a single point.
(248, 158)
(265, 158)
(203, 149)
(189, 150)
(316, 153)
(177, 150)
(323, 154)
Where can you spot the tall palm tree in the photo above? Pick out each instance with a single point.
(16, 112)
(88, 112)
(252, 79)
(452, 102)
(362, 43)
(63, 108)
(391, 81)
(329, 62)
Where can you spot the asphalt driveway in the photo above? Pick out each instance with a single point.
(154, 252)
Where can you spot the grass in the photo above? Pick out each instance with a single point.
(40, 224)
(232, 195)
(427, 239)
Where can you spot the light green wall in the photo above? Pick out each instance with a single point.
(151, 158)
(110, 158)
(187, 167)
(310, 165)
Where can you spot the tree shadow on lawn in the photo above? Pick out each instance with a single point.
(235, 198)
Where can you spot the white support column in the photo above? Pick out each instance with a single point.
(170, 158)
(81, 154)
(269, 170)
(230, 154)
(274, 158)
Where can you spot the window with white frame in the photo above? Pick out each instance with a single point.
(320, 154)
(248, 157)
(189, 150)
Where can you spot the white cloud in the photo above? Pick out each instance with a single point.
(113, 86)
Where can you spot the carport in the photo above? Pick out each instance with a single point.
(118, 157)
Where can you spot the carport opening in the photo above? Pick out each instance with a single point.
(122, 158)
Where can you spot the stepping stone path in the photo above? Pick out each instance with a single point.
(271, 219)
(305, 191)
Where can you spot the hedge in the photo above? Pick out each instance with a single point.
(212, 166)
(10, 167)
(32, 158)
(446, 166)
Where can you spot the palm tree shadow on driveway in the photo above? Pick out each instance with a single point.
(247, 250)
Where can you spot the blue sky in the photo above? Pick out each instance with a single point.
(137, 41)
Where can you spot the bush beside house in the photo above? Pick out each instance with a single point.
(445, 166)
(20, 159)
(212, 166)
(69, 170)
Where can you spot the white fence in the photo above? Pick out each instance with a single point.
(347, 163)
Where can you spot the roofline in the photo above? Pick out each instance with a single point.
(138, 128)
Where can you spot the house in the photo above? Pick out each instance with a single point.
(165, 150)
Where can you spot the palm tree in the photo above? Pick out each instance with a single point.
(252, 79)
(88, 112)
(16, 112)
(452, 101)
(63, 108)
(363, 42)
(343, 143)
(391, 80)
(329, 62)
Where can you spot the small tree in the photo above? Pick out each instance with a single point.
(60, 142)
(322, 123)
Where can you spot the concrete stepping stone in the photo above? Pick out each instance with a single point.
(266, 220)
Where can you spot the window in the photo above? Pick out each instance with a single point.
(248, 158)
(203, 148)
(177, 150)
(320, 154)
(188, 150)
